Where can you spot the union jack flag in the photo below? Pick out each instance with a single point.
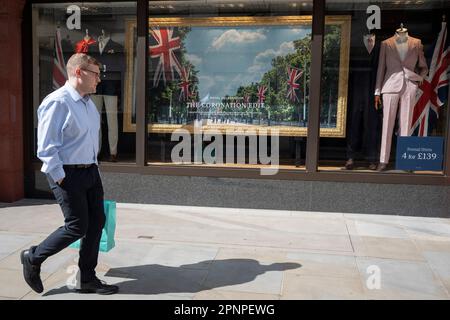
(262, 93)
(184, 84)
(293, 76)
(434, 88)
(59, 73)
(165, 49)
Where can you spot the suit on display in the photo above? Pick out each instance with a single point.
(402, 66)
(364, 120)
(111, 55)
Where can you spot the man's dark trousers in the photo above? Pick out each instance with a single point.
(80, 196)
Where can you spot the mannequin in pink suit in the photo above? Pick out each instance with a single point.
(401, 56)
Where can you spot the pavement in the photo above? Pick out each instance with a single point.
(205, 253)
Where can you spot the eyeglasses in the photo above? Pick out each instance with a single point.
(97, 74)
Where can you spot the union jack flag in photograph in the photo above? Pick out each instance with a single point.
(293, 75)
(184, 84)
(59, 73)
(262, 93)
(434, 89)
(165, 49)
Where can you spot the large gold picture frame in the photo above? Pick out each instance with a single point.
(343, 22)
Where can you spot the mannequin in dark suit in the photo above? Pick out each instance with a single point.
(111, 56)
(364, 120)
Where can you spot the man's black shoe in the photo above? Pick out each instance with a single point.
(31, 272)
(97, 286)
(350, 164)
(373, 166)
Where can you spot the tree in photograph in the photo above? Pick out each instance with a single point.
(167, 62)
(330, 75)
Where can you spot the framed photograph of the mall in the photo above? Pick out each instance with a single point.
(228, 73)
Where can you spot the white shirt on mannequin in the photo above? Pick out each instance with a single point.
(102, 41)
(369, 42)
(401, 42)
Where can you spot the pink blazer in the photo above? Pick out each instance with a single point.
(392, 72)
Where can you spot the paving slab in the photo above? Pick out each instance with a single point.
(313, 264)
(380, 229)
(424, 229)
(12, 284)
(268, 255)
(188, 257)
(390, 248)
(11, 242)
(440, 264)
(400, 279)
(433, 245)
(308, 287)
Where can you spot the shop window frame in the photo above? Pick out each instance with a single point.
(143, 167)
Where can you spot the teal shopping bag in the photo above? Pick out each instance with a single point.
(107, 240)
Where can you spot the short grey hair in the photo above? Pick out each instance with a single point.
(80, 60)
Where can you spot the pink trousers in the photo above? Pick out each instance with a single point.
(406, 98)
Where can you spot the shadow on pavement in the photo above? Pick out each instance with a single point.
(188, 278)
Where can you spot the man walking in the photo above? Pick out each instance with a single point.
(68, 130)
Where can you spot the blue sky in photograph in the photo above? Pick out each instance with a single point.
(228, 57)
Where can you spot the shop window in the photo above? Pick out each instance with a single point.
(98, 29)
(228, 82)
(396, 97)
